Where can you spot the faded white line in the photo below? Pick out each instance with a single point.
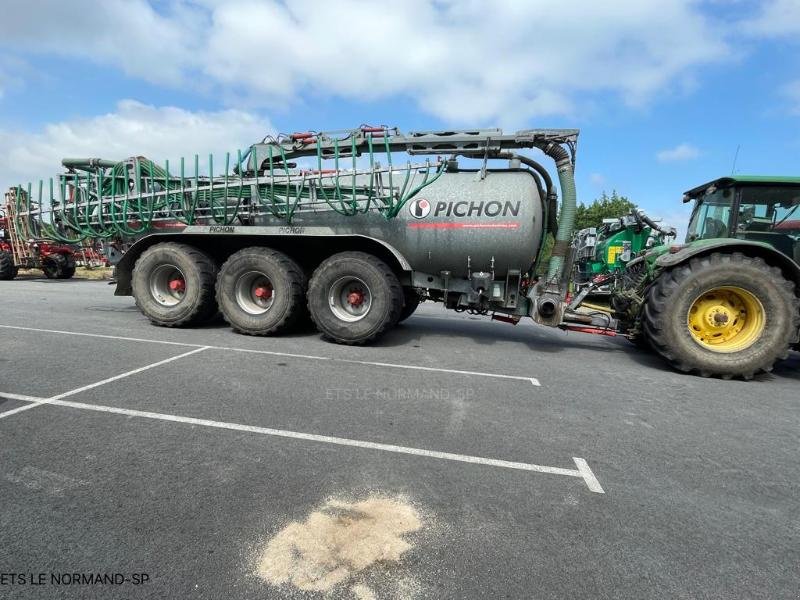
(49, 482)
(39, 401)
(583, 472)
(531, 380)
(98, 335)
(126, 374)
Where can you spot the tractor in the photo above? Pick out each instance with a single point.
(725, 303)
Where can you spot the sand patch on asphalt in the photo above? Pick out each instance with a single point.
(338, 542)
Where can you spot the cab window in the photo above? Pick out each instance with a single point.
(774, 209)
(771, 215)
(711, 216)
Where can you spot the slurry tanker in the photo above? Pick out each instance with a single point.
(355, 228)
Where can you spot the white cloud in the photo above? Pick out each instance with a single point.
(133, 129)
(777, 18)
(463, 61)
(780, 20)
(128, 34)
(678, 153)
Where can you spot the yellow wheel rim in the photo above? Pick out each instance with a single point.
(726, 319)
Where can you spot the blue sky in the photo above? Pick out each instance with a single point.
(663, 92)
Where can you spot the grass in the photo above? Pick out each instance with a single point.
(98, 273)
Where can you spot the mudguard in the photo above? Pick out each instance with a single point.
(752, 248)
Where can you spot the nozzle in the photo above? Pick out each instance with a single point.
(547, 307)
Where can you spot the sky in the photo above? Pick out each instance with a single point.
(667, 94)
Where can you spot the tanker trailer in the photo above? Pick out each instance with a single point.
(334, 225)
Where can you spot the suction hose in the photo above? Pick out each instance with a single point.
(566, 223)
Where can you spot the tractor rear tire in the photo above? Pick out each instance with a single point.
(53, 266)
(722, 315)
(411, 300)
(173, 285)
(7, 268)
(354, 298)
(261, 291)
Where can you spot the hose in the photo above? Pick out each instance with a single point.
(566, 224)
(669, 231)
(104, 199)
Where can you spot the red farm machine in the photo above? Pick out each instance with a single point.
(23, 245)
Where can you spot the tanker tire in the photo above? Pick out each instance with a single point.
(671, 296)
(53, 266)
(386, 298)
(7, 269)
(288, 299)
(200, 274)
(411, 301)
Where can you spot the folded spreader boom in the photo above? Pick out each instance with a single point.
(347, 172)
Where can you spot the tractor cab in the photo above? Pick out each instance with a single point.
(759, 209)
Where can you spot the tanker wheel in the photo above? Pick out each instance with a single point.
(53, 266)
(7, 269)
(354, 298)
(722, 315)
(261, 291)
(173, 285)
(411, 300)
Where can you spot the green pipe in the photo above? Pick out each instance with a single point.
(566, 222)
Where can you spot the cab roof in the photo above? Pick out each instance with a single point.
(724, 182)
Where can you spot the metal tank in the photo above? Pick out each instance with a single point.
(465, 221)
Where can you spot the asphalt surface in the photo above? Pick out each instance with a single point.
(701, 478)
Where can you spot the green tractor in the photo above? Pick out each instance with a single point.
(725, 303)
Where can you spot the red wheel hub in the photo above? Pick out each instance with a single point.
(177, 285)
(265, 293)
(355, 298)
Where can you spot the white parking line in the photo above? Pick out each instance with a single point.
(127, 374)
(40, 401)
(588, 476)
(532, 380)
(19, 409)
(20, 397)
(583, 471)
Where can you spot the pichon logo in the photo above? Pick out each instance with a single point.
(420, 208)
(477, 208)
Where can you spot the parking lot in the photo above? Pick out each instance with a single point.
(539, 464)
